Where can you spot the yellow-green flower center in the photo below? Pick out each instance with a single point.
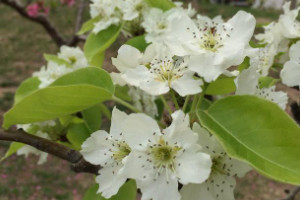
(164, 154)
(122, 151)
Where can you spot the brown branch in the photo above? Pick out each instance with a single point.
(46, 24)
(78, 164)
(80, 10)
(293, 194)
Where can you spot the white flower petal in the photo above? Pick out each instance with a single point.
(247, 81)
(187, 85)
(117, 120)
(110, 181)
(243, 24)
(154, 87)
(136, 76)
(204, 65)
(117, 79)
(179, 131)
(138, 129)
(162, 189)
(96, 148)
(137, 167)
(194, 167)
(294, 51)
(128, 58)
(290, 74)
(220, 189)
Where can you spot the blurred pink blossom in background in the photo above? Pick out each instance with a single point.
(34, 9)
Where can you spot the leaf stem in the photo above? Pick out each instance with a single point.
(201, 96)
(124, 103)
(166, 104)
(174, 99)
(186, 102)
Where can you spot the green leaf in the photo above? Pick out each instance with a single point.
(91, 194)
(138, 42)
(88, 75)
(266, 81)
(77, 134)
(126, 192)
(161, 4)
(122, 93)
(259, 132)
(88, 25)
(256, 45)
(98, 43)
(57, 60)
(223, 85)
(27, 87)
(160, 108)
(13, 148)
(98, 60)
(245, 64)
(70, 93)
(93, 117)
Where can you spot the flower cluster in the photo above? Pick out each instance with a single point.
(115, 12)
(157, 159)
(68, 60)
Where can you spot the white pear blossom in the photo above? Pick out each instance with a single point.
(263, 59)
(132, 9)
(190, 11)
(38, 130)
(247, 83)
(221, 182)
(159, 24)
(49, 74)
(110, 151)
(115, 12)
(289, 25)
(143, 101)
(213, 45)
(163, 75)
(108, 13)
(75, 59)
(129, 58)
(74, 56)
(271, 34)
(159, 159)
(290, 74)
(156, 75)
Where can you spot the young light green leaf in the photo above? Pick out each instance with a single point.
(98, 43)
(77, 133)
(57, 60)
(88, 25)
(91, 194)
(93, 117)
(13, 148)
(98, 60)
(223, 85)
(138, 42)
(71, 93)
(161, 4)
(259, 132)
(27, 87)
(266, 81)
